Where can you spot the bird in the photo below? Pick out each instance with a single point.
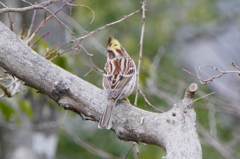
(119, 79)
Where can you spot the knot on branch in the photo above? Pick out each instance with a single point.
(60, 89)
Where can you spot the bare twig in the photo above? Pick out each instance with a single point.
(58, 54)
(143, 9)
(90, 33)
(49, 17)
(10, 22)
(39, 39)
(129, 150)
(200, 98)
(235, 65)
(203, 97)
(87, 35)
(137, 150)
(76, 5)
(23, 31)
(24, 9)
(32, 24)
(146, 100)
(94, 67)
(206, 81)
(53, 15)
(31, 35)
(46, 53)
(5, 78)
(105, 26)
(57, 50)
(3, 5)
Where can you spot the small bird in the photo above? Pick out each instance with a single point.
(119, 79)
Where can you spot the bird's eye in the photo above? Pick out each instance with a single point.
(116, 45)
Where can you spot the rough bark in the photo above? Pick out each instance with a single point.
(174, 130)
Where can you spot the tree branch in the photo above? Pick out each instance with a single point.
(173, 130)
(143, 8)
(24, 9)
(221, 73)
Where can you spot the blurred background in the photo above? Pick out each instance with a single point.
(178, 34)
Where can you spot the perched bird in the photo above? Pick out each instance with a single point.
(119, 79)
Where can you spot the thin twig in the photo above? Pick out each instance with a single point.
(206, 81)
(5, 78)
(92, 32)
(23, 31)
(32, 24)
(190, 73)
(146, 100)
(87, 35)
(29, 38)
(137, 150)
(105, 26)
(54, 15)
(46, 53)
(143, 9)
(49, 17)
(3, 4)
(57, 50)
(40, 6)
(77, 42)
(58, 54)
(10, 22)
(24, 9)
(76, 5)
(203, 96)
(39, 39)
(94, 67)
(129, 150)
(235, 65)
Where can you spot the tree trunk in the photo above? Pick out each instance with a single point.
(174, 131)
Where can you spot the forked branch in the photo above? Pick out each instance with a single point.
(209, 80)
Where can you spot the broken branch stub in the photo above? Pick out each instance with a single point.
(182, 140)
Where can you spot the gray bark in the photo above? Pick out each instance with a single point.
(174, 130)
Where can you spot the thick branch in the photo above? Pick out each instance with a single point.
(174, 130)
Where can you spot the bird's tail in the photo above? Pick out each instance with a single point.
(106, 120)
